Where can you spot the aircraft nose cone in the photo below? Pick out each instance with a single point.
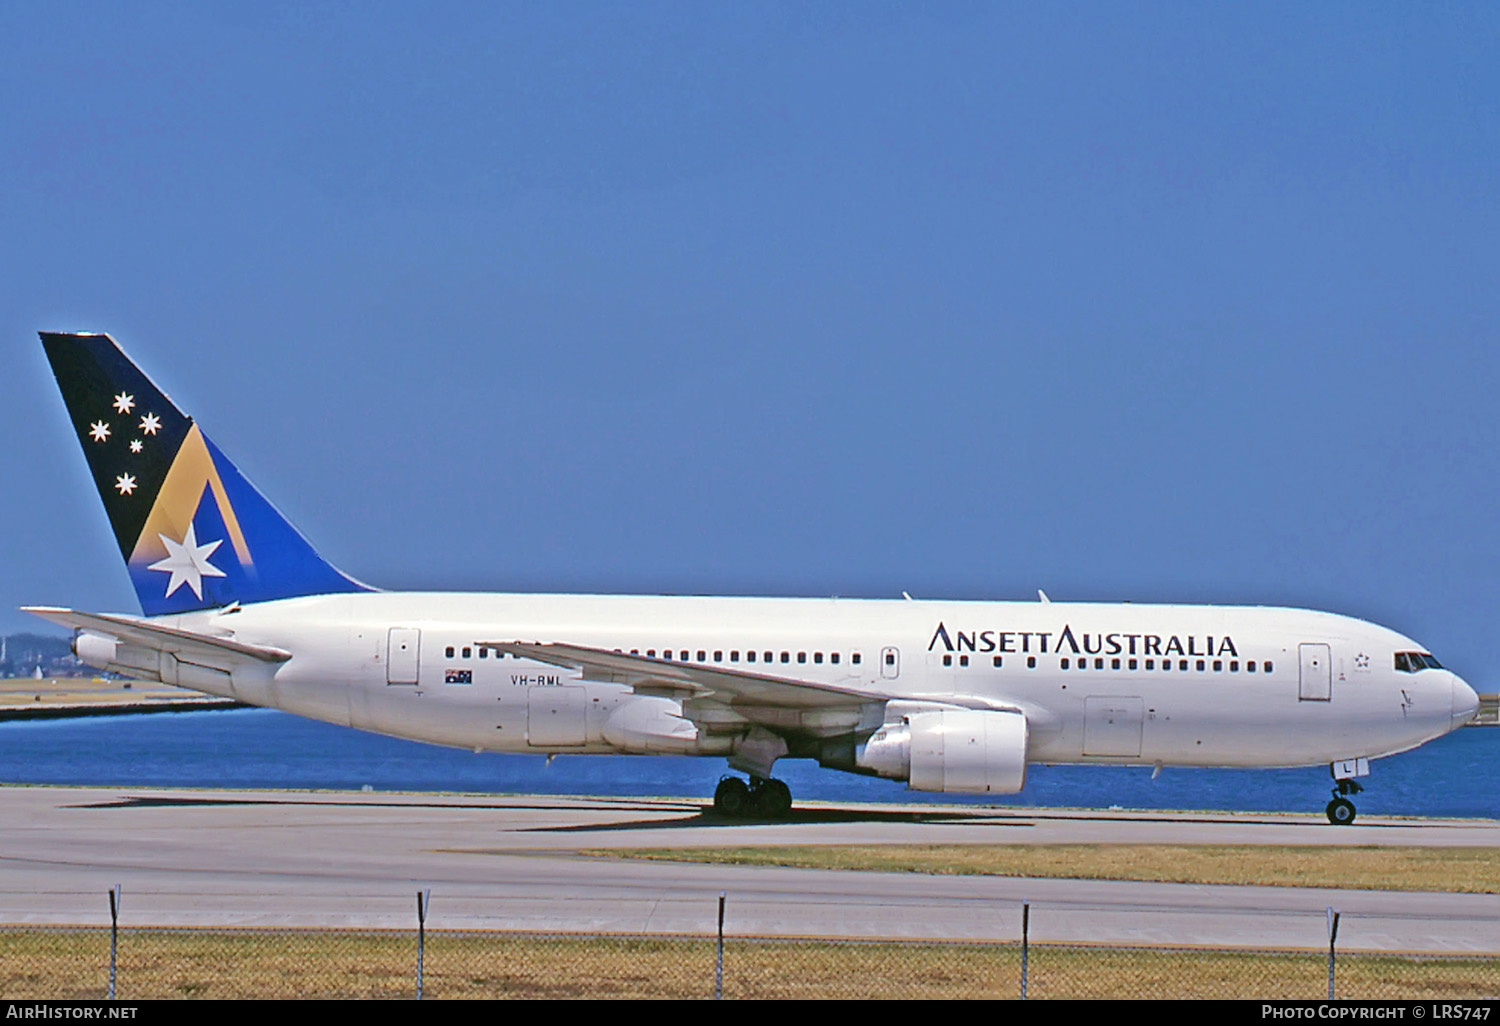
(1465, 702)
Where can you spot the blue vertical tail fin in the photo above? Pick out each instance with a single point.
(194, 533)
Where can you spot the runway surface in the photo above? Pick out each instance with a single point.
(263, 858)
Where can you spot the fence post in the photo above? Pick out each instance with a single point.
(1025, 952)
(719, 955)
(1333, 935)
(114, 936)
(423, 897)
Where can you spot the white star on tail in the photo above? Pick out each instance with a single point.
(187, 562)
(99, 430)
(135, 445)
(124, 403)
(149, 423)
(126, 484)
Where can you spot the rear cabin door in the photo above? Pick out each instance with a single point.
(403, 647)
(1316, 681)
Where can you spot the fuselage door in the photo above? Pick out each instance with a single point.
(1316, 682)
(403, 646)
(555, 716)
(890, 662)
(1113, 726)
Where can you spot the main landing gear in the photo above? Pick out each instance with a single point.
(759, 799)
(1341, 809)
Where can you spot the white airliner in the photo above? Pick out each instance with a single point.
(948, 696)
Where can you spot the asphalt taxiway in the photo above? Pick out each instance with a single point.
(273, 858)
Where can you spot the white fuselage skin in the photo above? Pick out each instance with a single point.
(1303, 704)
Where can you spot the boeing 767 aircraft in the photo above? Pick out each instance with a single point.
(947, 696)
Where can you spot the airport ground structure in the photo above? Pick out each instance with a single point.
(287, 894)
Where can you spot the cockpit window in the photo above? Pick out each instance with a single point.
(1411, 662)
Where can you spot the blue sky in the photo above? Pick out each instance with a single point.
(1148, 301)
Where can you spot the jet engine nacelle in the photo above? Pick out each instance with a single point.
(97, 650)
(955, 750)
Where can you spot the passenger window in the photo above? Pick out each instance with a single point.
(801, 657)
(1265, 667)
(1218, 666)
(1098, 662)
(1132, 664)
(947, 660)
(1250, 666)
(1150, 664)
(998, 661)
(1064, 662)
(786, 657)
(1200, 665)
(1114, 664)
(734, 655)
(817, 657)
(468, 652)
(449, 653)
(684, 656)
(854, 658)
(1031, 662)
(963, 660)
(718, 657)
(484, 653)
(834, 658)
(749, 657)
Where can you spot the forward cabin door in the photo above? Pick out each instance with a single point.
(403, 646)
(1316, 681)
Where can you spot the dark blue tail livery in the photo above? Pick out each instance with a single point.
(195, 534)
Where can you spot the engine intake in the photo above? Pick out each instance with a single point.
(952, 750)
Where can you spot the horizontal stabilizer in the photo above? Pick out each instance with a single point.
(158, 637)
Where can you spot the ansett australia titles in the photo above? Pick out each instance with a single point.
(1090, 643)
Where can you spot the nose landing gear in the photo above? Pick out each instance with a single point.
(763, 799)
(1341, 810)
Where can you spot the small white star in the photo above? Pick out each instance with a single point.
(135, 445)
(126, 484)
(149, 423)
(187, 562)
(124, 403)
(99, 430)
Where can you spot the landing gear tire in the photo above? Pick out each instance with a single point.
(732, 797)
(1340, 812)
(772, 799)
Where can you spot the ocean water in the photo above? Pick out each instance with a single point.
(260, 748)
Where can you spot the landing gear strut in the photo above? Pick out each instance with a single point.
(1341, 810)
(765, 799)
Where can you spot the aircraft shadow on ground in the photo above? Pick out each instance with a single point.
(707, 817)
(533, 803)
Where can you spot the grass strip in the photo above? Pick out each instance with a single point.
(71, 964)
(1365, 867)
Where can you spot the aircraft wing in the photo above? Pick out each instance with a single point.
(707, 693)
(209, 649)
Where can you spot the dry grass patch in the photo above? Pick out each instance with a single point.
(1463, 870)
(73, 964)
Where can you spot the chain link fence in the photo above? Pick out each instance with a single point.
(138, 963)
